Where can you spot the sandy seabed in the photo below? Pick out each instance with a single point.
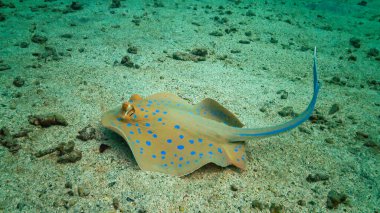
(66, 58)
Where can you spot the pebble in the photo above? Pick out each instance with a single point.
(39, 39)
(18, 82)
(311, 178)
(286, 111)
(87, 133)
(355, 42)
(257, 205)
(334, 108)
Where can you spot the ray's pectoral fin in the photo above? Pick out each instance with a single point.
(211, 109)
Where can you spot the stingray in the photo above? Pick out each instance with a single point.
(168, 135)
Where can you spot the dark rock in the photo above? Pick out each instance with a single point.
(317, 177)
(216, 33)
(24, 44)
(199, 52)
(273, 40)
(334, 108)
(67, 35)
(257, 205)
(76, 6)
(248, 33)
(8, 141)
(18, 82)
(233, 187)
(126, 61)
(362, 3)
(132, 50)
(355, 42)
(4, 67)
(373, 52)
(115, 4)
(87, 133)
(250, 13)
(71, 157)
(352, 58)
(103, 147)
(39, 39)
(2, 17)
(301, 203)
(187, 57)
(68, 185)
(276, 208)
(47, 120)
(284, 94)
(329, 140)
(244, 42)
(334, 199)
(287, 111)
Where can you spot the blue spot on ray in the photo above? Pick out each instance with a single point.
(180, 147)
(147, 124)
(154, 156)
(169, 140)
(163, 153)
(192, 153)
(148, 143)
(181, 136)
(176, 126)
(220, 150)
(154, 135)
(191, 141)
(159, 119)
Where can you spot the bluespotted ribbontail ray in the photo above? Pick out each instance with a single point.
(166, 134)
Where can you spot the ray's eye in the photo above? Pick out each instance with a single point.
(128, 111)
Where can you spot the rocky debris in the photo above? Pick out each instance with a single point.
(287, 111)
(132, 49)
(76, 6)
(103, 147)
(334, 108)
(311, 178)
(202, 52)
(4, 67)
(284, 94)
(18, 82)
(257, 205)
(2, 17)
(362, 3)
(126, 61)
(88, 133)
(374, 84)
(67, 153)
(334, 199)
(47, 120)
(355, 42)
(24, 44)
(8, 141)
(183, 56)
(216, 33)
(373, 52)
(115, 4)
(276, 208)
(39, 39)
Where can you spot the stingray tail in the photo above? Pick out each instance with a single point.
(244, 134)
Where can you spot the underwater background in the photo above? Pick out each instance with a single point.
(63, 64)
